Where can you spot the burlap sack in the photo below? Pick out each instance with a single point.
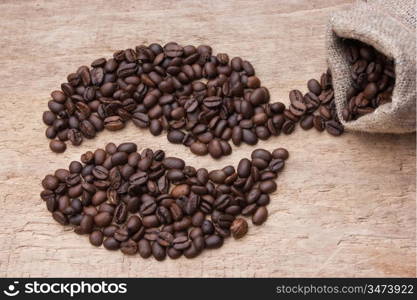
(389, 26)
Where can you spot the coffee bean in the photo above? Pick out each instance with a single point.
(217, 176)
(158, 251)
(215, 148)
(307, 122)
(173, 50)
(150, 221)
(288, 127)
(119, 158)
(165, 239)
(60, 217)
(155, 127)
(260, 215)
(213, 242)
(314, 86)
(103, 219)
(180, 191)
(243, 168)
(173, 163)
(114, 123)
(249, 137)
(276, 165)
(268, 186)
(199, 148)
(262, 154)
(334, 128)
(58, 96)
(57, 146)
(129, 247)
(239, 228)
(144, 248)
(48, 117)
(319, 123)
(86, 225)
(50, 182)
(140, 119)
(96, 238)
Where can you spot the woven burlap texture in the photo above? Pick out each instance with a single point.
(388, 26)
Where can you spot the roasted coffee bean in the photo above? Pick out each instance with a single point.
(319, 123)
(314, 86)
(222, 201)
(199, 148)
(50, 182)
(158, 251)
(150, 221)
(253, 195)
(100, 172)
(117, 181)
(268, 186)
(103, 219)
(119, 158)
(60, 217)
(165, 239)
(213, 242)
(239, 228)
(244, 168)
(334, 128)
(86, 225)
(48, 117)
(129, 247)
(277, 165)
(121, 235)
(249, 210)
(217, 176)
(173, 163)
(111, 243)
(296, 96)
(288, 127)
(262, 154)
(180, 191)
(307, 122)
(215, 148)
(249, 137)
(166, 95)
(298, 108)
(144, 248)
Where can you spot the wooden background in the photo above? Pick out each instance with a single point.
(344, 206)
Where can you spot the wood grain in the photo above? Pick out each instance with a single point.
(344, 207)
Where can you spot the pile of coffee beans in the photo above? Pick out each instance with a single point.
(373, 80)
(201, 100)
(156, 205)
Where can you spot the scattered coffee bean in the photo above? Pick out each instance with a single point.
(201, 100)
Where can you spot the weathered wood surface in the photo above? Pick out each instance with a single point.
(345, 206)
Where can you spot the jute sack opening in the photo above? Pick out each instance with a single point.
(388, 26)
